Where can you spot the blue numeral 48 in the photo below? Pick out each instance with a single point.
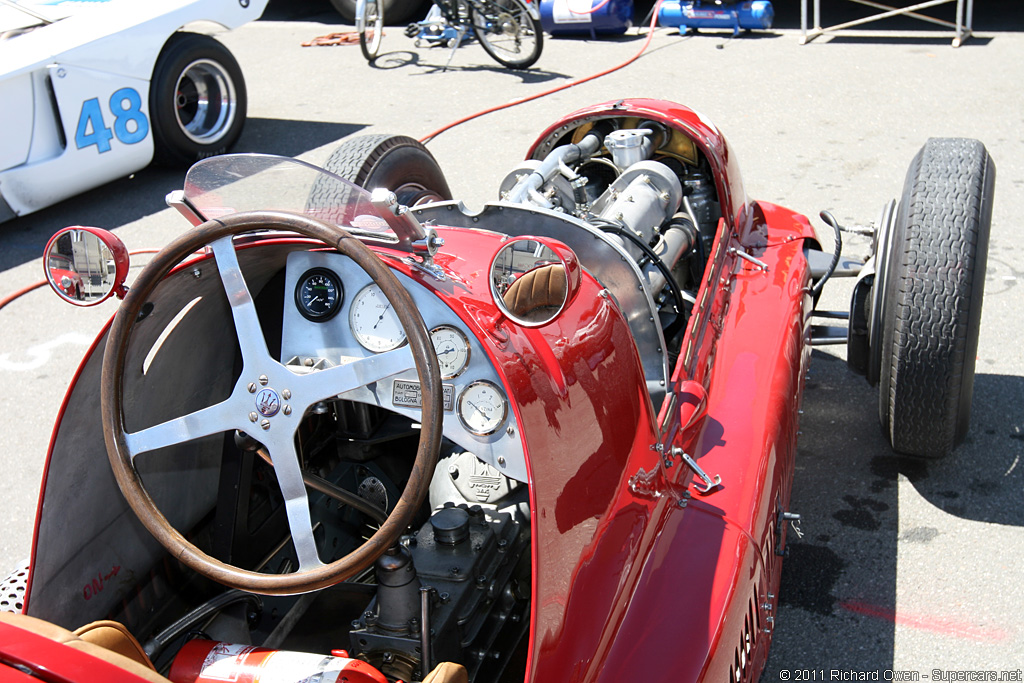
(130, 124)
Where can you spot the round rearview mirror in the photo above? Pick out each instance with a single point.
(86, 265)
(533, 279)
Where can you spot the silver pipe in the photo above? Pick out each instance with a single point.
(550, 166)
(425, 629)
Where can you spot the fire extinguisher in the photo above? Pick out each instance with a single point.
(208, 661)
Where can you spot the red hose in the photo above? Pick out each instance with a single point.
(566, 86)
(592, 9)
(21, 292)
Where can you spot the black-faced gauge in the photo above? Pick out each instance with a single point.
(482, 408)
(374, 322)
(452, 349)
(319, 294)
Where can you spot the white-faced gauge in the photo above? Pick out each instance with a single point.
(374, 322)
(452, 349)
(319, 294)
(482, 408)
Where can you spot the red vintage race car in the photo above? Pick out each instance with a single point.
(335, 434)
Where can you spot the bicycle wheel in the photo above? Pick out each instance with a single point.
(507, 30)
(370, 25)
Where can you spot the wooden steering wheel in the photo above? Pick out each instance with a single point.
(253, 395)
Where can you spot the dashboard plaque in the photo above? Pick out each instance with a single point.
(407, 394)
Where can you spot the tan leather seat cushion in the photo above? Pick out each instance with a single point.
(540, 289)
(61, 635)
(116, 638)
(447, 672)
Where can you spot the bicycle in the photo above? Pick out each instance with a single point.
(508, 30)
(370, 13)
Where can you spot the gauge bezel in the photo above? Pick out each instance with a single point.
(504, 406)
(465, 342)
(306, 313)
(359, 337)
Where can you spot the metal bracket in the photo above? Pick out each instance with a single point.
(750, 259)
(780, 524)
(709, 483)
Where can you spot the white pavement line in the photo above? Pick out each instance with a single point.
(40, 353)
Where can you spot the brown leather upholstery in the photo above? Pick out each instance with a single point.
(60, 635)
(116, 638)
(537, 293)
(447, 672)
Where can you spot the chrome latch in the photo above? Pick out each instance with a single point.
(709, 483)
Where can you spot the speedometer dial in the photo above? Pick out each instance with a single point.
(482, 408)
(374, 322)
(319, 294)
(452, 349)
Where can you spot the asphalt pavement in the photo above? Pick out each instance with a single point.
(903, 566)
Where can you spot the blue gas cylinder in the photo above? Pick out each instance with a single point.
(694, 14)
(576, 17)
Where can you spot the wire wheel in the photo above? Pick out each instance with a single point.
(508, 32)
(371, 30)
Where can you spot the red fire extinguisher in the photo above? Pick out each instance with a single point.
(207, 661)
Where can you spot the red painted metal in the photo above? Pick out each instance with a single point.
(56, 662)
(635, 575)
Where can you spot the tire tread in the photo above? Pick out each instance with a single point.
(937, 299)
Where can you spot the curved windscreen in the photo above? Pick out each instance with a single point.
(232, 183)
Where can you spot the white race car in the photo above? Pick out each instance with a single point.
(94, 90)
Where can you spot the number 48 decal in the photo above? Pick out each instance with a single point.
(130, 124)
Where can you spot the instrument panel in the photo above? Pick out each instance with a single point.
(337, 314)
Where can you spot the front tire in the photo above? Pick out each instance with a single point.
(934, 286)
(508, 32)
(197, 100)
(398, 11)
(373, 29)
(397, 162)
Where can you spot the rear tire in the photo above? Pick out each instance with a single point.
(508, 32)
(932, 300)
(197, 100)
(397, 162)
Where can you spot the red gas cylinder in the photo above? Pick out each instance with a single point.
(207, 661)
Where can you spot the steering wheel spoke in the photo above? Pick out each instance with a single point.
(247, 323)
(289, 480)
(220, 417)
(354, 374)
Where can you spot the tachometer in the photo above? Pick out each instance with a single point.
(482, 408)
(452, 349)
(319, 294)
(374, 322)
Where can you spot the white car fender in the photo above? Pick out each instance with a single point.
(100, 81)
(107, 136)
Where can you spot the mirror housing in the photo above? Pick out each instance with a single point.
(693, 404)
(85, 265)
(533, 279)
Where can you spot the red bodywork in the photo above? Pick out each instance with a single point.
(635, 575)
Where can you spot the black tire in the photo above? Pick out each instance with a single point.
(193, 69)
(508, 32)
(396, 162)
(398, 11)
(932, 300)
(373, 29)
